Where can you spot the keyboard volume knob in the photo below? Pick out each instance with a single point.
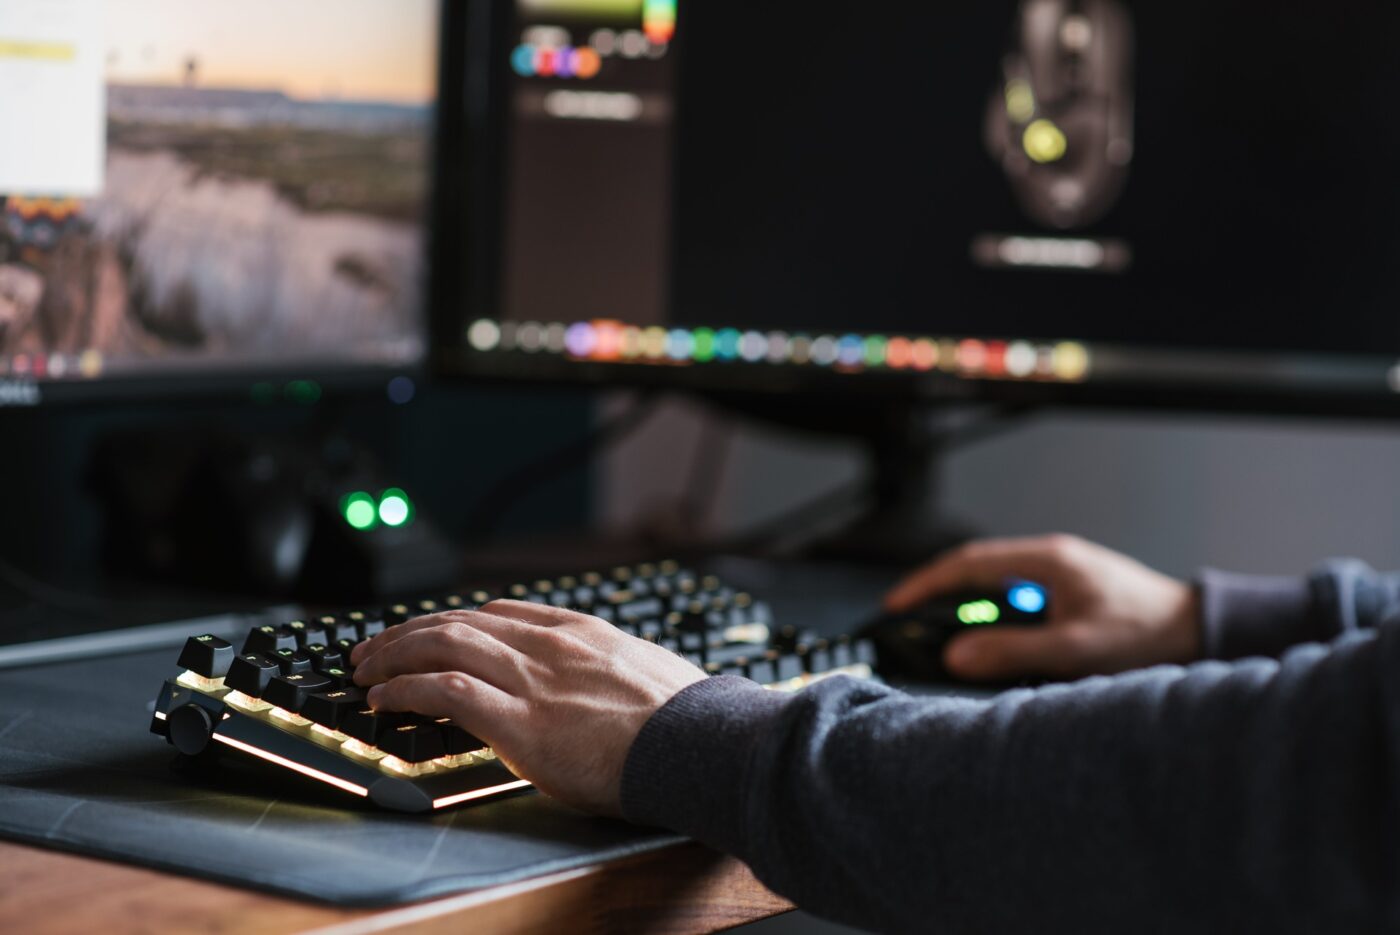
(190, 729)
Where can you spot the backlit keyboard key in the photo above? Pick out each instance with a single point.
(250, 673)
(329, 708)
(207, 655)
(269, 639)
(291, 691)
(414, 743)
(292, 661)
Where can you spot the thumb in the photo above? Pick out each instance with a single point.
(1001, 653)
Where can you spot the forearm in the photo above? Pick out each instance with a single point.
(1174, 798)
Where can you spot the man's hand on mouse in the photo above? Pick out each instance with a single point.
(1108, 613)
(559, 695)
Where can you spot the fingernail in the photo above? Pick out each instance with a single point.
(373, 696)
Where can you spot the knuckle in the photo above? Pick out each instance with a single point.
(456, 683)
(1062, 544)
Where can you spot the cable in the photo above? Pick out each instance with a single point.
(495, 505)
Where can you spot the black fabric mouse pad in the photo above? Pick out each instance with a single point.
(80, 771)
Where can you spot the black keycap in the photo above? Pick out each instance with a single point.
(398, 613)
(414, 743)
(789, 666)
(340, 677)
(763, 671)
(649, 608)
(344, 628)
(841, 655)
(250, 673)
(323, 657)
(329, 708)
(292, 661)
(207, 655)
(345, 647)
(369, 726)
(290, 691)
(370, 626)
(865, 652)
(308, 633)
(727, 653)
(457, 741)
(268, 639)
(819, 657)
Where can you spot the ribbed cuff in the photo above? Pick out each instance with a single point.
(1255, 615)
(688, 767)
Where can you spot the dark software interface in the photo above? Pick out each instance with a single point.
(588, 130)
(1041, 189)
(190, 188)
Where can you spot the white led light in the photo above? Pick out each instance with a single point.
(1020, 359)
(393, 511)
(479, 793)
(753, 346)
(484, 335)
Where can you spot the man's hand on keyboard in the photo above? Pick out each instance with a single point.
(559, 695)
(1108, 612)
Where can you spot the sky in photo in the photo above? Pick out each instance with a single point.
(376, 50)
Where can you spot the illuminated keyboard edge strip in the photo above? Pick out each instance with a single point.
(292, 765)
(479, 793)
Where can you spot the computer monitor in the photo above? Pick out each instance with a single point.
(214, 195)
(1041, 200)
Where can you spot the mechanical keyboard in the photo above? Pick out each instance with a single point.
(287, 696)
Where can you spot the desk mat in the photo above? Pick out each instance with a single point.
(79, 771)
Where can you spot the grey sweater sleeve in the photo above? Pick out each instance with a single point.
(1254, 615)
(1258, 796)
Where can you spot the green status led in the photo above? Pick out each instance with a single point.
(395, 509)
(359, 510)
(704, 347)
(875, 347)
(974, 613)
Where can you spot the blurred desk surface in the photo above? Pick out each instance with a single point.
(681, 889)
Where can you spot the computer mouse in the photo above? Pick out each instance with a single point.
(1061, 121)
(910, 644)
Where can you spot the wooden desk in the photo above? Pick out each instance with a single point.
(681, 889)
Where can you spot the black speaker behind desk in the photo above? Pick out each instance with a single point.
(316, 519)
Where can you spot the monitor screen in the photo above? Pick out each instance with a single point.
(214, 188)
(1035, 191)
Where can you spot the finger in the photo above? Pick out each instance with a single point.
(477, 707)
(1001, 653)
(369, 647)
(544, 615)
(985, 564)
(398, 631)
(449, 647)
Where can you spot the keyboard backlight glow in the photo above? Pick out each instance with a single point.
(297, 767)
(282, 714)
(246, 702)
(196, 681)
(160, 715)
(479, 793)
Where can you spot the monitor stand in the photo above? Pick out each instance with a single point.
(894, 516)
